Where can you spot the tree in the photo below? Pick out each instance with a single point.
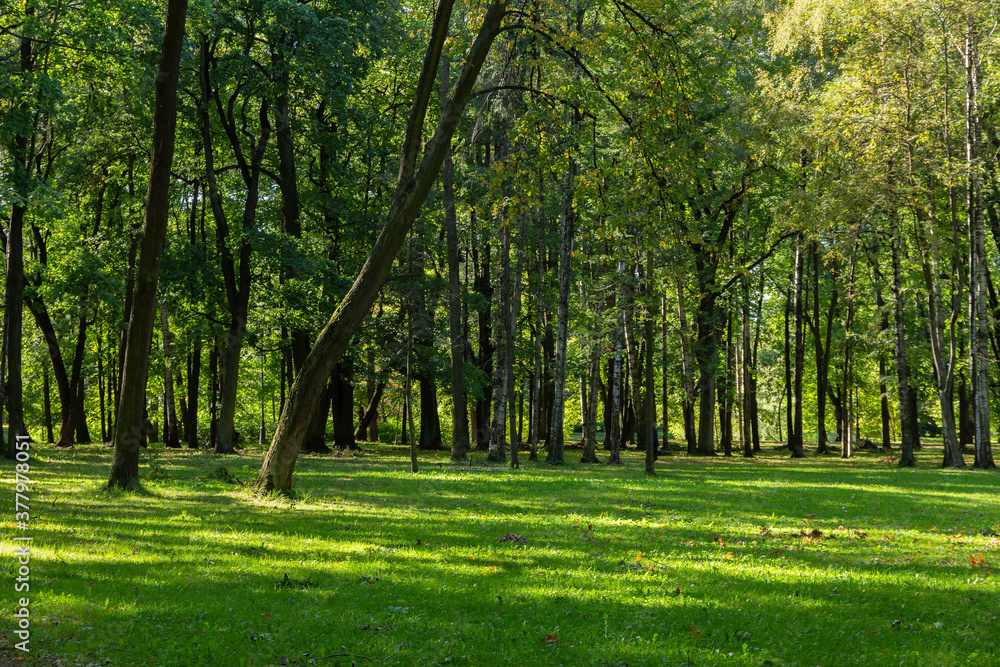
(129, 424)
(412, 186)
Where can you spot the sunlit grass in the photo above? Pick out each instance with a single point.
(730, 562)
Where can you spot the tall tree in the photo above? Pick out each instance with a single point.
(129, 424)
(412, 186)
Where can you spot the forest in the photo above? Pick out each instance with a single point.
(501, 227)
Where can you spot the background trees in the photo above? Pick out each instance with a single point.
(719, 224)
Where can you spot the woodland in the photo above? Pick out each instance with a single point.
(501, 227)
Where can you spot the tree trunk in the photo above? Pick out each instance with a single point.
(498, 432)
(170, 430)
(650, 398)
(789, 409)
(593, 378)
(725, 389)
(193, 376)
(795, 442)
(129, 423)
(747, 371)
(706, 352)
(821, 340)
(459, 409)
(412, 188)
(979, 320)
(566, 237)
(850, 388)
(368, 417)
(341, 402)
(687, 370)
(906, 418)
(430, 422)
(483, 285)
(48, 406)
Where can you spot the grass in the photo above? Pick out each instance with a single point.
(769, 561)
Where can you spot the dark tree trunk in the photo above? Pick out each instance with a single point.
(459, 409)
(342, 403)
(483, 285)
(315, 437)
(171, 436)
(430, 422)
(48, 407)
(687, 373)
(795, 442)
(129, 424)
(368, 418)
(413, 185)
(906, 417)
(650, 397)
(821, 342)
(193, 377)
(789, 423)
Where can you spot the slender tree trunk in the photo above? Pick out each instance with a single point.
(847, 445)
(48, 407)
(408, 395)
(129, 424)
(498, 432)
(789, 423)
(511, 333)
(795, 442)
(650, 398)
(747, 371)
(566, 234)
(484, 287)
(536, 380)
(371, 410)
(170, 429)
(902, 364)
(193, 377)
(687, 372)
(14, 281)
(459, 409)
(613, 429)
(593, 378)
(979, 322)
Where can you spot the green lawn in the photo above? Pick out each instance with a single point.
(713, 562)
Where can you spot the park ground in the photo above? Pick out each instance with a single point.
(765, 562)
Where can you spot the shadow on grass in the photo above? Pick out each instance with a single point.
(708, 563)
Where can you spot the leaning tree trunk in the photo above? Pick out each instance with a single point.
(129, 424)
(412, 187)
